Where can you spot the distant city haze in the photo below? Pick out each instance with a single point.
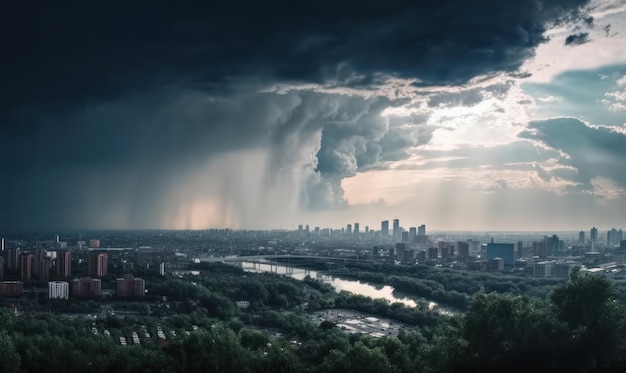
(512, 117)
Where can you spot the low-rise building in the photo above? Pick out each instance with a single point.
(11, 288)
(130, 287)
(86, 287)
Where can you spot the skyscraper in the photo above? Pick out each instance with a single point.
(349, 229)
(421, 230)
(384, 228)
(412, 235)
(397, 233)
(581, 237)
(594, 235)
(356, 228)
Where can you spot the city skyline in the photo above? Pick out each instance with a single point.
(512, 117)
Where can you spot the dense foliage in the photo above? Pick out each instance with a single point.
(579, 327)
(451, 287)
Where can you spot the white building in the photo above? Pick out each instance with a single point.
(58, 290)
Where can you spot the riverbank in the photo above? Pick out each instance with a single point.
(340, 283)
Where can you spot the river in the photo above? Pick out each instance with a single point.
(353, 286)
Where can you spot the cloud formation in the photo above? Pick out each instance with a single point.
(577, 39)
(117, 115)
(89, 51)
(595, 152)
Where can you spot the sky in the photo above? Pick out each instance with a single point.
(458, 114)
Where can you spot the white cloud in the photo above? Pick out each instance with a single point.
(606, 188)
(547, 99)
(617, 95)
(554, 57)
(615, 101)
(622, 80)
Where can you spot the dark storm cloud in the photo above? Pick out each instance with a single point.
(131, 156)
(364, 144)
(577, 39)
(84, 50)
(107, 107)
(593, 151)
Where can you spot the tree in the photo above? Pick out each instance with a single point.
(508, 332)
(588, 305)
(9, 358)
(6, 319)
(365, 359)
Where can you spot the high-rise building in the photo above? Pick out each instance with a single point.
(463, 249)
(397, 232)
(41, 264)
(58, 290)
(94, 244)
(412, 234)
(97, 265)
(2, 245)
(26, 266)
(349, 229)
(356, 228)
(405, 237)
(384, 228)
(594, 235)
(12, 259)
(421, 230)
(44, 269)
(614, 237)
(540, 249)
(581, 237)
(554, 245)
(130, 287)
(63, 265)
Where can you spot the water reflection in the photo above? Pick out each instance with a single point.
(356, 287)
